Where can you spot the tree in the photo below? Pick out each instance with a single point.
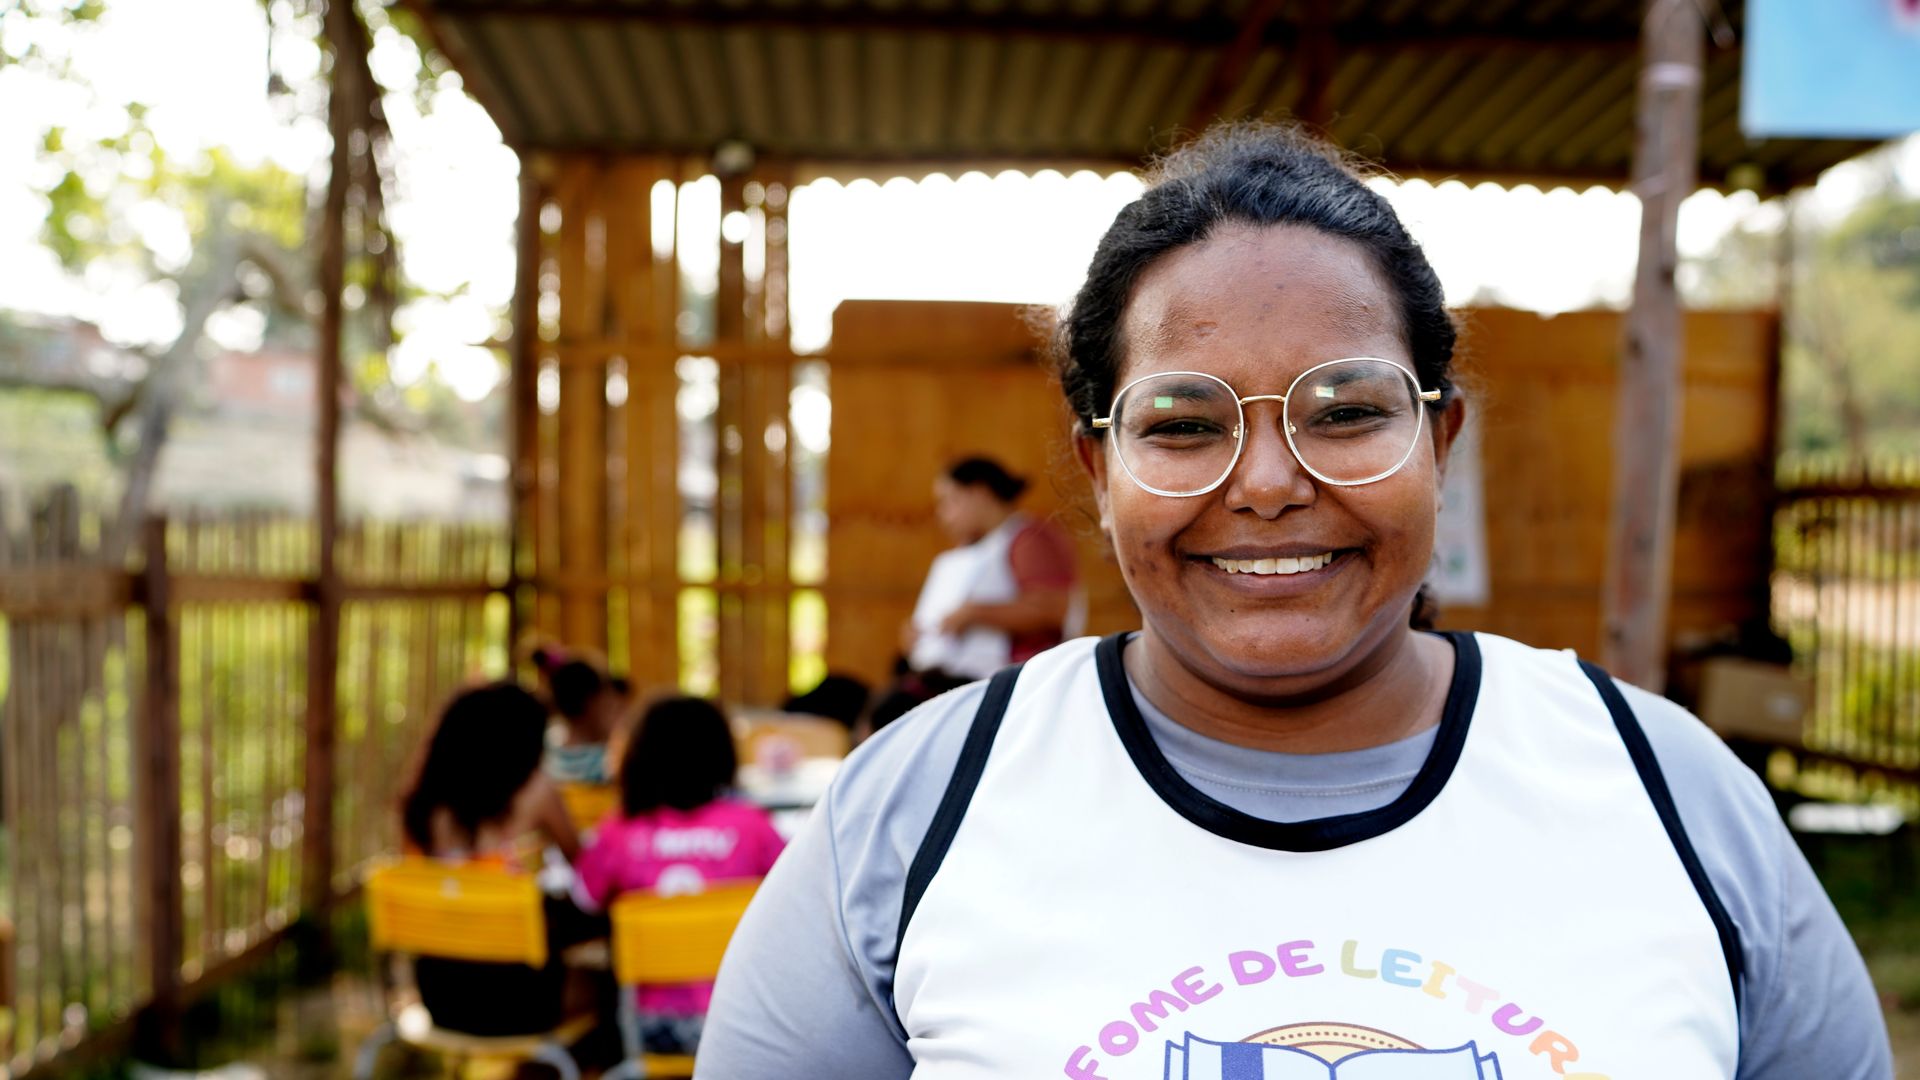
(251, 228)
(1852, 382)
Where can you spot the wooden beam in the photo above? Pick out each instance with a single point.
(731, 432)
(523, 407)
(323, 650)
(162, 904)
(64, 591)
(1320, 57)
(583, 398)
(1231, 66)
(1647, 417)
(241, 589)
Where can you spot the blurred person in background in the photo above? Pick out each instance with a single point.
(1004, 593)
(479, 796)
(591, 705)
(679, 829)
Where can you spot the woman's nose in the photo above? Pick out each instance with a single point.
(1268, 478)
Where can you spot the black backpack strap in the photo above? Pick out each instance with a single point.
(1641, 751)
(960, 788)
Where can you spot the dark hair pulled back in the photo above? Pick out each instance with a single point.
(987, 473)
(486, 745)
(1258, 174)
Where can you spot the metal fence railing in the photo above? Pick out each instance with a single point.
(1846, 595)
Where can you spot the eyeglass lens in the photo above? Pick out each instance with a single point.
(1348, 422)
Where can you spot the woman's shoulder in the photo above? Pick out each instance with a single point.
(900, 758)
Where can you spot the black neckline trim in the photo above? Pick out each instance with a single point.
(1318, 834)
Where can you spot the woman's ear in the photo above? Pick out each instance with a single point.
(1446, 428)
(1091, 452)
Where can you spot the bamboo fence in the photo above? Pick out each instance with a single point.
(154, 726)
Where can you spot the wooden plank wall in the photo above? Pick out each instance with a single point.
(602, 521)
(605, 510)
(1544, 390)
(916, 385)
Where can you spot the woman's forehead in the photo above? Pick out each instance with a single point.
(1278, 298)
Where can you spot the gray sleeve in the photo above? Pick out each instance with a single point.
(1808, 1007)
(806, 988)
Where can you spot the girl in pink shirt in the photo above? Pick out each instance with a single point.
(678, 829)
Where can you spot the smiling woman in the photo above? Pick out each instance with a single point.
(1064, 870)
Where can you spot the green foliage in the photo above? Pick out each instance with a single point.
(52, 436)
(90, 219)
(1852, 358)
(1869, 879)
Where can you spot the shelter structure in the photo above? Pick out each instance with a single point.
(610, 101)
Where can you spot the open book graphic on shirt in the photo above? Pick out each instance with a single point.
(1200, 1059)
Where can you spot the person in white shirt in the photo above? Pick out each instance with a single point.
(1005, 592)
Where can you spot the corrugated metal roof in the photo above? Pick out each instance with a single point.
(1535, 89)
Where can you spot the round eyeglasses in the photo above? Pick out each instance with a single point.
(1348, 422)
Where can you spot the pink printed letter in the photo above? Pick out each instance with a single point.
(1295, 961)
(1190, 987)
(1504, 1020)
(1251, 967)
(1080, 1068)
(1155, 1008)
(1119, 1038)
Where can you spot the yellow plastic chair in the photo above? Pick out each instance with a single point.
(419, 907)
(589, 804)
(668, 939)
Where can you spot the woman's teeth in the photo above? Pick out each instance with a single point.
(1274, 566)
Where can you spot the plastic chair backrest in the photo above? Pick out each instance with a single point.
(589, 804)
(675, 939)
(457, 912)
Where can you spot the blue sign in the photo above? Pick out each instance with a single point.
(1842, 69)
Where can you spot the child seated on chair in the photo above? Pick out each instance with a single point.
(591, 705)
(679, 829)
(479, 796)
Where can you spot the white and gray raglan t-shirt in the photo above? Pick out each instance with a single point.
(1559, 880)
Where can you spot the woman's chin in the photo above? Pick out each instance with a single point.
(1255, 649)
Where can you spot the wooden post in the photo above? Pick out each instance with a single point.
(523, 491)
(768, 496)
(1647, 414)
(731, 430)
(654, 427)
(1320, 57)
(317, 855)
(157, 819)
(583, 406)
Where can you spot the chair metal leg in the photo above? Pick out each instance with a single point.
(368, 1055)
(633, 1067)
(556, 1055)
